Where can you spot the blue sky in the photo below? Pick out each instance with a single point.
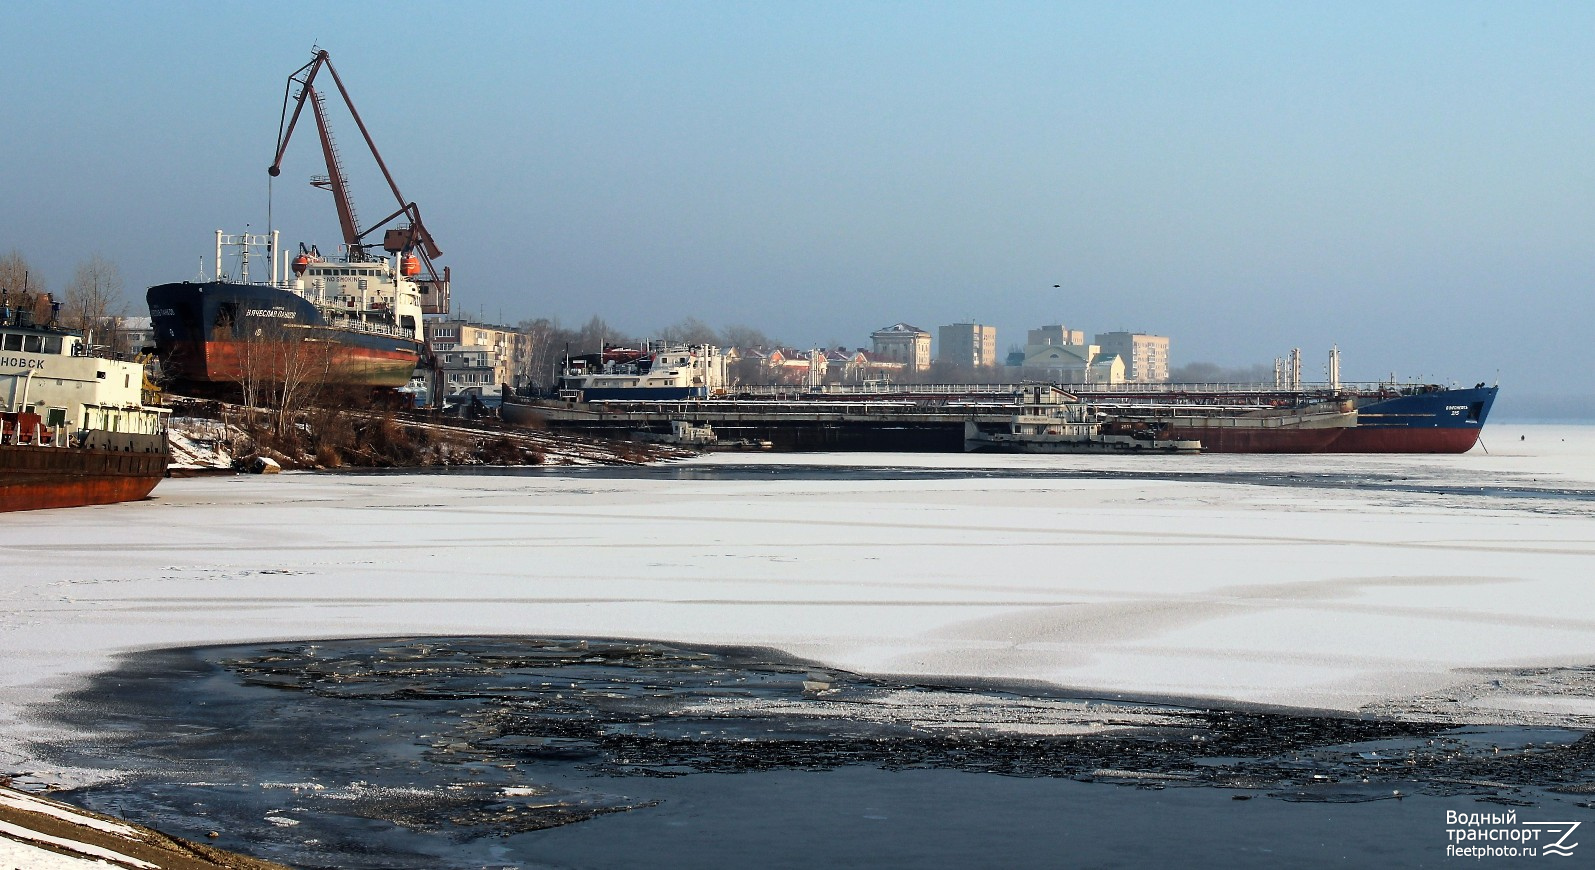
(1412, 181)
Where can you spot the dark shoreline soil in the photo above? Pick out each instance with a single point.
(357, 438)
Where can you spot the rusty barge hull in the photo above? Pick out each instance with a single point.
(34, 478)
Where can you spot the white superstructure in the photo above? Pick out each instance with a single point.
(46, 372)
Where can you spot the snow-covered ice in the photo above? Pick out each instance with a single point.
(1190, 586)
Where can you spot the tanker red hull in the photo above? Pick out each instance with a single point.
(1217, 439)
(1379, 439)
(1426, 419)
(1349, 439)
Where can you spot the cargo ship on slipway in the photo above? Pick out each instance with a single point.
(353, 319)
(74, 429)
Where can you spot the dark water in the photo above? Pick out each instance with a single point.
(523, 752)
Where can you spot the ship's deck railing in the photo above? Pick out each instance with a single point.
(37, 435)
(1085, 390)
(870, 408)
(354, 324)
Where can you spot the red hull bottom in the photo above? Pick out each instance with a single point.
(1350, 439)
(1227, 440)
(218, 361)
(1379, 439)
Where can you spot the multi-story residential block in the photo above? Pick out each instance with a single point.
(131, 335)
(967, 345)
(1146, 357)
(477, 357)
(1054, 334)
(903, 343)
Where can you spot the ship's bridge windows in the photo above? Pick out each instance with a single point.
(52, 344)
(13, 341)
(32, 343)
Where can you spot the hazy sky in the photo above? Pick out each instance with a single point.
(1412, 181)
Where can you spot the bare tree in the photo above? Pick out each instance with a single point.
(23, 289)
(690, 332)
(593, 335)
(547, 341)
(94, 300)
(251, 374)
(283, 371)
(303, 367)
(16, 276)
(742, 335)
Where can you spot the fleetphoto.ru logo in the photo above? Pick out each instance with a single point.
(1501, 835)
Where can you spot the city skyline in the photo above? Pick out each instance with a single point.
(1397, 181)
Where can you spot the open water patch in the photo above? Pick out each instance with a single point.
(529, 752)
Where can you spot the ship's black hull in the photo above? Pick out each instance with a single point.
(222, 333)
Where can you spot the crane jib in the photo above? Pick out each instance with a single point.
(406, 239)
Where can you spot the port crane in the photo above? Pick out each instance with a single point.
(407, 239)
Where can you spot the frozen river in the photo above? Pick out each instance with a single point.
(1331, 582)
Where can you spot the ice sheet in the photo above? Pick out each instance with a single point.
(1331, 597)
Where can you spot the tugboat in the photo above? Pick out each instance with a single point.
(1053, 421)
(656, 372)
(74, 429)
(659, 371)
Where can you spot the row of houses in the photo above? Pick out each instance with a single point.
(1051, 352)
(476, 358)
